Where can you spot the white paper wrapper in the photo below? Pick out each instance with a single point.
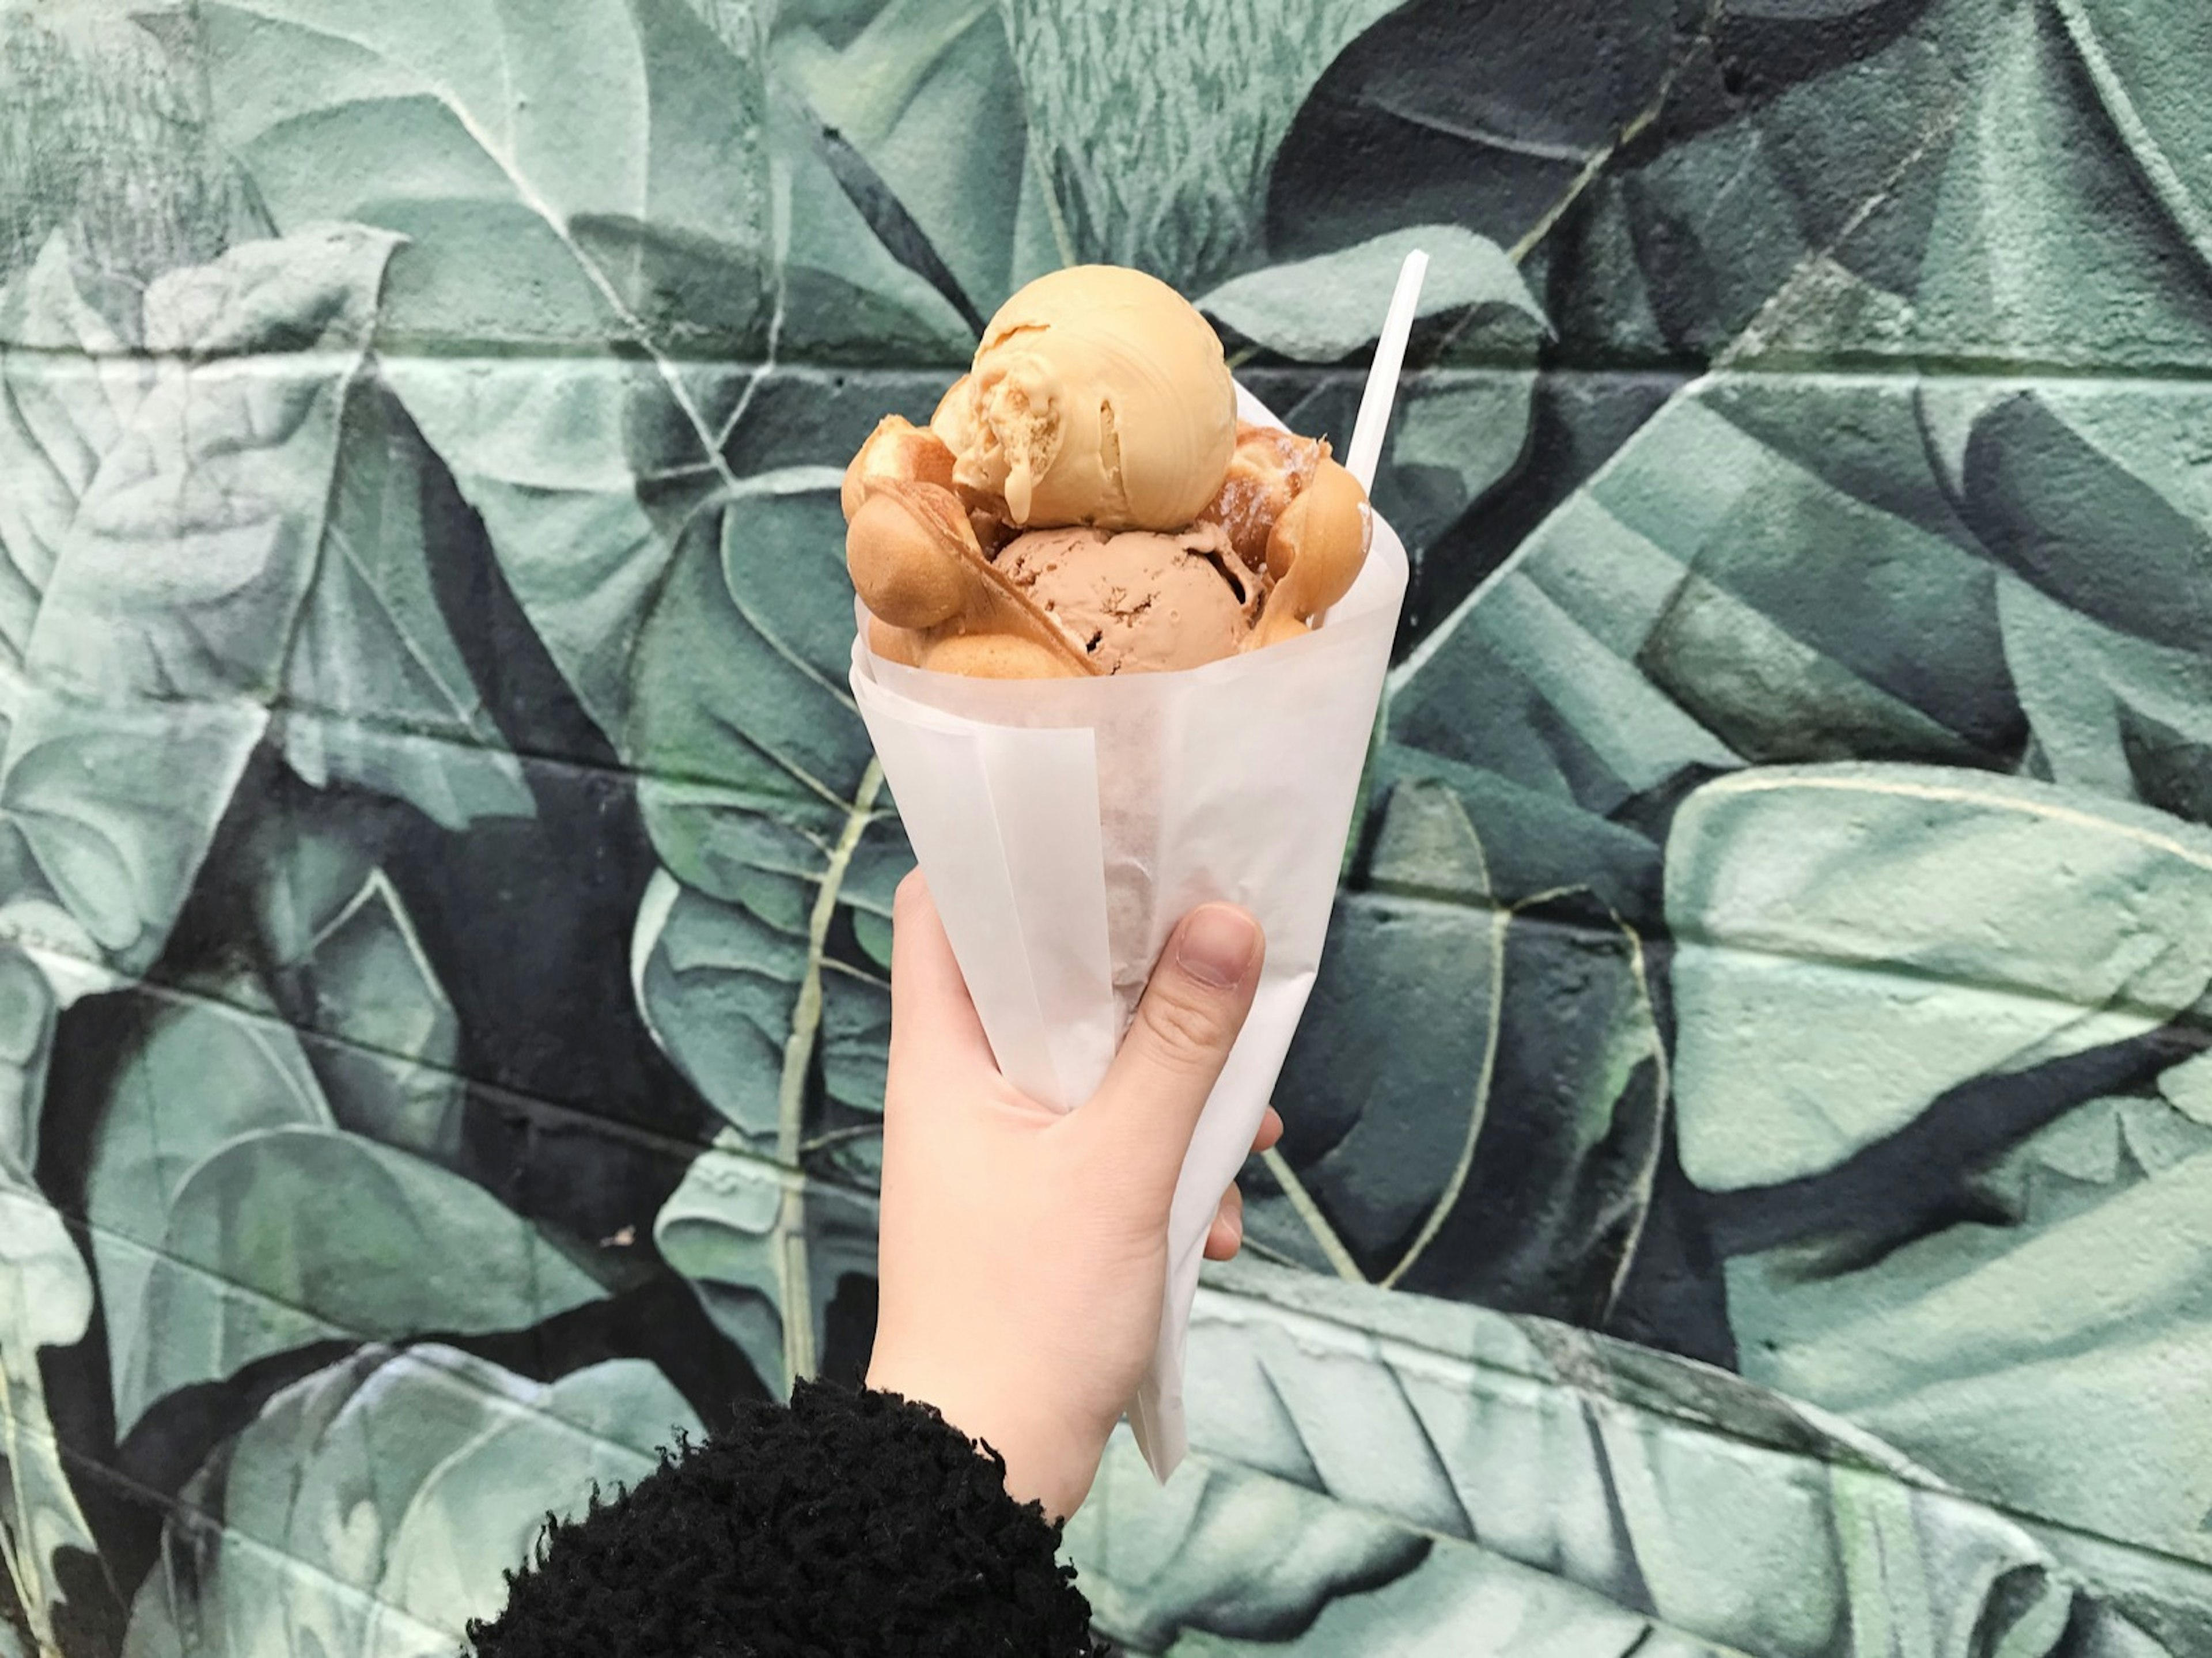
(1065, 825)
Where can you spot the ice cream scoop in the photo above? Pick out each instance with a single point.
(1099, 396)
(1139, 600)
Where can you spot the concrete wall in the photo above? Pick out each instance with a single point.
(1750, 1152)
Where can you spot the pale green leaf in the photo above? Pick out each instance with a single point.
(2043, 1355)
(384, 1245)
(1718, 1511)
(1320, 309)
(372, 1507)
(1853, 941)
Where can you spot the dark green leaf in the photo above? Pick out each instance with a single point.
(717, 986)
(1389, 1077)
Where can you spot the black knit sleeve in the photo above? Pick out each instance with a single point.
(845, 1526)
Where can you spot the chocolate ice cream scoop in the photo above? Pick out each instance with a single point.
(1140, 599)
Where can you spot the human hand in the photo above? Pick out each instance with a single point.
(1023, 1253)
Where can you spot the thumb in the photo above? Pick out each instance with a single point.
(1186, 1024)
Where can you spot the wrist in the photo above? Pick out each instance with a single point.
(1048, 1460)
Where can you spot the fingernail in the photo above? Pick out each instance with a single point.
(1217, 945)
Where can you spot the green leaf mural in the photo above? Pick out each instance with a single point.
(1740, 1188)
(2000, 924)
(45, 1301)
(372, 1507)
(217, 1131)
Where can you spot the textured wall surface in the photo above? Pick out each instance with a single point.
(1748, 1185)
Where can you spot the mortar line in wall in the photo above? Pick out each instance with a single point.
(1774, 363)
(496, 1096)
(493, 1095)
(90, 1228)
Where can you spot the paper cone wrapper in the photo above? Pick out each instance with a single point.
(1065, 825)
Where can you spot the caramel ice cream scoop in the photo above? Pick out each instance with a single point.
(1138, 600)
(1099, 397)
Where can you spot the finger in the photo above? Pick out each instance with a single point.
(1187, 1023)
(934, 1028)
(1271, 1131)
(1226, 1235)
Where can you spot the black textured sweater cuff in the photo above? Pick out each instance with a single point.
(848, 1524)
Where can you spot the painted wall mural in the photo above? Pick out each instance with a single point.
(1750, 1153)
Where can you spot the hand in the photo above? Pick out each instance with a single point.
(1023, 1254)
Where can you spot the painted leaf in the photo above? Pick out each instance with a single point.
(61, 418)
(477, 140)
(741, 626)
(1853, 941)
(1662, 624)
(1476, 1102)
(193, 1078)
(372, 1507)
(1716, 1510)
(636, 209)
(2110, 713)
(2043, 1355)
(746, 1236)
(1320, 309)
(2136, 57)
(375, 690)
(217, 1142)
(385, 1245)
(45, 1301)
(761, 796)
(363, 983)
(1151, 158)
(2051, 244)
(225, 466)
(717, 987)
(928, 97)
(223, 447)
(1223, 1551)
(2099, 500)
